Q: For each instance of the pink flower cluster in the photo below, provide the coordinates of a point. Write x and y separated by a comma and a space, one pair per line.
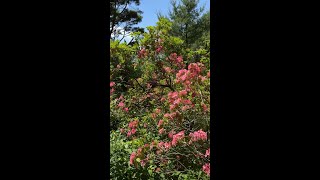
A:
122, 105
170, 135
133, 124
167, 70
198, 135
171, 116
132, 128
132, 157
177, 137
164, 146
131, 132
206, 168
177, 60
204, 106
175, 98
194, 69
207, 153
161, 131
142, 53
139, 153
185, 76
160, 123
159, 49
158, 111
111, 86
152, 145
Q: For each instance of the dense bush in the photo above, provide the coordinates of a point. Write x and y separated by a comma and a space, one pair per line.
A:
160, 108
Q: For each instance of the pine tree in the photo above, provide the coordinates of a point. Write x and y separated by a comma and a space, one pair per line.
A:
122, 18
186, 18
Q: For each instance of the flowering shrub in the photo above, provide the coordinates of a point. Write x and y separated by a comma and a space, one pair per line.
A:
161, 119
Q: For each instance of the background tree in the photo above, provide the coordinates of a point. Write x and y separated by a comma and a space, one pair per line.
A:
186, 18
203, 32
123, 18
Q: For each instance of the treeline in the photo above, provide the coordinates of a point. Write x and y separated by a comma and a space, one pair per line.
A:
189, 21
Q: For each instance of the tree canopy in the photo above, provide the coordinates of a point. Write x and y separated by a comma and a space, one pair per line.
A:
123, 18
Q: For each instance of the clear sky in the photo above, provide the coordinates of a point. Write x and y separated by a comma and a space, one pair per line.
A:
151, 7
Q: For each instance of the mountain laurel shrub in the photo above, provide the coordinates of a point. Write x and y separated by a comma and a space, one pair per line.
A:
160, 108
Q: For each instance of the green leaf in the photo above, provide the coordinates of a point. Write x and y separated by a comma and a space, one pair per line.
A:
150, 172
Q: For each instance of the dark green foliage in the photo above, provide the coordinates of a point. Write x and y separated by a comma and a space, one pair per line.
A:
122, 16
188, 22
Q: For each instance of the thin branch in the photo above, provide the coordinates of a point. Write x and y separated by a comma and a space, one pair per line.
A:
139, 84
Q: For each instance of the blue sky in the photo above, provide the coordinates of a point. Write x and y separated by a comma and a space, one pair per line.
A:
151, 7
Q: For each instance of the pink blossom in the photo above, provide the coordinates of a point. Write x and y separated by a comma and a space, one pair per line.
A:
205, 108
172, 107
158, 110
183, 93
159, 49
129, 134
143, 162
133, 124
126, 109
118, 66
207, 153
160, 122
133, 131
167, 145
170, 135
145, 125
187, 83
173, 95
185, 108
179, 59
153, 115
112, 84
121, 130
186, 101
160, 144
177, 137
177, 101
121, 104
139, 151
198, 135
158, 170
208, 74
132, 157
194, 68
206, 168
152, 145
167, 69
111, 91
173, 56
161, 131
142, 53
170, 116
202, 78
